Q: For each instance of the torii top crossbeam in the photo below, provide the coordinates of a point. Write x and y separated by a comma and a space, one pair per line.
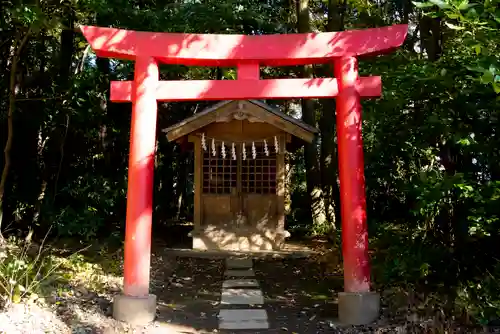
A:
233, 50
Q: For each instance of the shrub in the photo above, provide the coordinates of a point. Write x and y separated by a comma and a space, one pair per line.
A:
25, 269
85, 207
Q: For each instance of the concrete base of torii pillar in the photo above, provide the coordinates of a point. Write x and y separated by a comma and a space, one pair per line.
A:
134, 310
358, 308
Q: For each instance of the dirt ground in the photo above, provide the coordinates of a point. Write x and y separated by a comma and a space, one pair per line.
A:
298, 298
188, 292
295, 299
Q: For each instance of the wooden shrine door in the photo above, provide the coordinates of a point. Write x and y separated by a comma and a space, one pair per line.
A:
241, 193
220, 190
258, 179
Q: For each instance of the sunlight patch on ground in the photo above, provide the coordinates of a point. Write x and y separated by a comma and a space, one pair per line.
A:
165, 327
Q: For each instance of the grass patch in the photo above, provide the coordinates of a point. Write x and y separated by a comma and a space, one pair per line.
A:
30, 271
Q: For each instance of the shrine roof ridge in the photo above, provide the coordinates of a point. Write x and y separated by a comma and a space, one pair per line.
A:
217, 106
259, 103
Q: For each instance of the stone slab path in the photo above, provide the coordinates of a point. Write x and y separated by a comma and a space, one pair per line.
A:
239, 273
240, 283
240, 298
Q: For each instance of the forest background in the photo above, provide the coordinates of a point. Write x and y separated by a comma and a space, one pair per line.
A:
432, 145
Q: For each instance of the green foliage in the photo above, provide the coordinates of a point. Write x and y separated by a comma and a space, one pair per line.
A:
402, 260
29, 271
91, 273
25, 270
415, 263
477, 24
479, 297
91, 202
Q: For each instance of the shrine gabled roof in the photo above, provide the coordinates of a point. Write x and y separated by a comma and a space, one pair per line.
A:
263, 112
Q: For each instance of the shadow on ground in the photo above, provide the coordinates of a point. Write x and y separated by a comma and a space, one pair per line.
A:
191, 295
297, 297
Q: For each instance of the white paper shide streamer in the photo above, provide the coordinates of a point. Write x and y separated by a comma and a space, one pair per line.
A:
224, 148
214, 151
223, 151
203, 142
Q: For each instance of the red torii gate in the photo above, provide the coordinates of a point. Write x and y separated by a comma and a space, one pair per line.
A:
357, 305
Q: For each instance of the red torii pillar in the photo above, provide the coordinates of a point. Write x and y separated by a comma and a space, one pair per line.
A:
357, 304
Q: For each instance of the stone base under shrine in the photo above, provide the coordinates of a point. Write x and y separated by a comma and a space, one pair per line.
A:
241, 239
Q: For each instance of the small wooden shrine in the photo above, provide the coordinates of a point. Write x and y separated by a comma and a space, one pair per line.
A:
239, 173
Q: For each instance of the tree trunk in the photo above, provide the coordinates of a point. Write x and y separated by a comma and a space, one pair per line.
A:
181, 182
313, 175
329, 162
66, 61
431, 37
103, 66
18, 46
40, 140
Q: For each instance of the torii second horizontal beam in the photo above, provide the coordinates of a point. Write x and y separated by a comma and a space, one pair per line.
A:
192, 90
